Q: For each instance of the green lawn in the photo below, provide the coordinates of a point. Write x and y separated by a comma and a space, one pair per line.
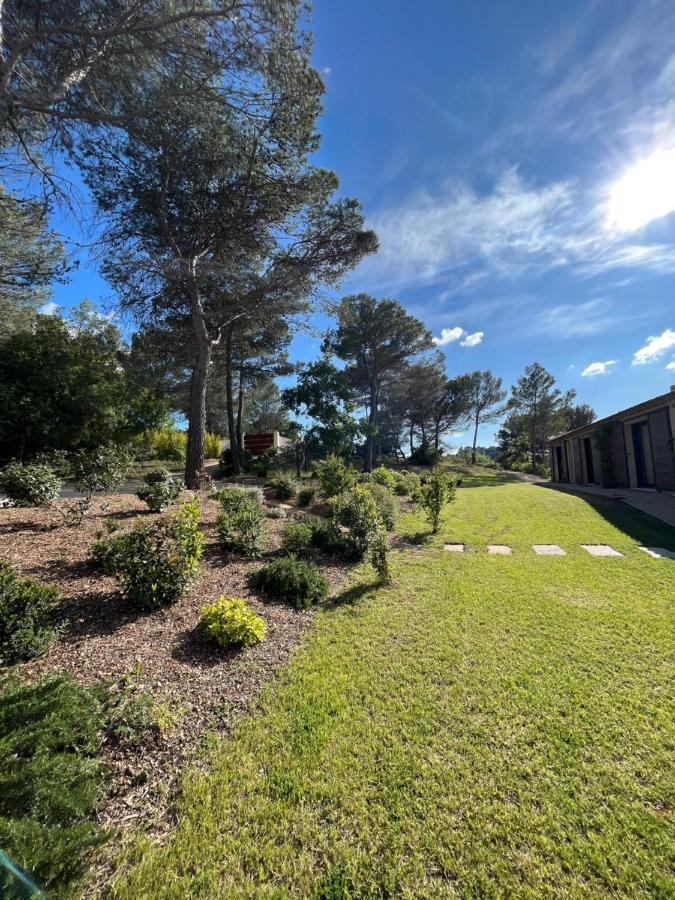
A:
487, 726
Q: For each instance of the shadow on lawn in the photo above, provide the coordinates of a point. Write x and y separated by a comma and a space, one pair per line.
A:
641, 527
352, 595
473, 478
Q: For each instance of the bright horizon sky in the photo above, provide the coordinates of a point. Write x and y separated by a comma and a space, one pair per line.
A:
518, 163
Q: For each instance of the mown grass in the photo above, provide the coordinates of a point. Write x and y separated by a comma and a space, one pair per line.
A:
487, 726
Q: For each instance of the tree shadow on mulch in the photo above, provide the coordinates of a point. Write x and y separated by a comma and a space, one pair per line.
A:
95, 615
193, 649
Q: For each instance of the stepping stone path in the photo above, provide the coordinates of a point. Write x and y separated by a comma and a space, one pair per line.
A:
601, 550
499, 550
548, 550
454, 548
659, 552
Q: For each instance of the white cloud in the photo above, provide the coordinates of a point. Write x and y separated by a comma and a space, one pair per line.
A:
671, 366
448, 335
654, 348
326, 70
472, 340
49, 308
599, 368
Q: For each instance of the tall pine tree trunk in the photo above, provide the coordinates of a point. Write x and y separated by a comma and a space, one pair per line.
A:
372, 422
194, 457
240, 411
229, 399
475, 441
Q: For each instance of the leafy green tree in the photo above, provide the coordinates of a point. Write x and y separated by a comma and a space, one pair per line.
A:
323, 395
59, 390
31, 259
376, 339
579, 415
484, 398
542, 408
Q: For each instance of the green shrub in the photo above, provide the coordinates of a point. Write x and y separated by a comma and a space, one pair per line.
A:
102, 469
262, 465
59, 461
284, 487
276, 512
406, 483
357, 512
168, 443
332, 541
425, 456
296, 538
231, 623
159, 490
26, 608
293, 580
384, 476
225, 461
50, 778
334, 476
212, 445
241, 523
385, 503
435, 491
30, 485
306, 496
128, 712
156, 562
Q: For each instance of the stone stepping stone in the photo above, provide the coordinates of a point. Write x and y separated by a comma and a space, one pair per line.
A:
499, 550
601, 550
658, 552
454, 548
548, 550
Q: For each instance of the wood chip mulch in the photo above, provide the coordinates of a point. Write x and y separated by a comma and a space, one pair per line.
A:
205, 688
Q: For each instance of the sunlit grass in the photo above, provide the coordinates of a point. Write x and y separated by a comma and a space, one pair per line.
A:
486, 726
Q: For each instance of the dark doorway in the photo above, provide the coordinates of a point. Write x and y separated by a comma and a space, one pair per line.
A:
642, 449
559, 460
588, 454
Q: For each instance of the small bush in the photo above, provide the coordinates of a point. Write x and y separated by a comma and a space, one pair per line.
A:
26, 608
385, 503
436, 490
406, 483
262, 465
334, 476
212, 445
425, 456
102, 469
384, 476
159, 490
231, 623
356, 511
284, 487
225, 461
59, 461
306, 496
332, 541
157, 562
296, 538
241, 523
30, 485
167, 443
293, 580
276, 512
128, 711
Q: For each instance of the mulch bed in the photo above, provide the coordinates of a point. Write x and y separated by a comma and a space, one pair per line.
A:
105, 638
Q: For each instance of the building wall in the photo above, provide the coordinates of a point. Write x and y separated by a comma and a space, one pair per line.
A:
661, 425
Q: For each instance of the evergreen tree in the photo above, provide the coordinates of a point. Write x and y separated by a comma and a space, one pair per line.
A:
542, 408
484, 398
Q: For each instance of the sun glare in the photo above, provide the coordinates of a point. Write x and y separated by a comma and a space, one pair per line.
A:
645, 192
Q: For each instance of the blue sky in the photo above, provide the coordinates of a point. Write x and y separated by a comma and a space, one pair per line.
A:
518, 163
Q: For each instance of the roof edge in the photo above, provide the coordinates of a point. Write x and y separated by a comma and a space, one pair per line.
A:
630, 410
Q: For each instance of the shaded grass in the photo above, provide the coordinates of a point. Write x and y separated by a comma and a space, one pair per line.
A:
486, 726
